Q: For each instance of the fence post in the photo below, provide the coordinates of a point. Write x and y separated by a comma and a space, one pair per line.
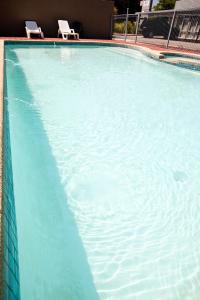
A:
137, 26
126, 25
170, 30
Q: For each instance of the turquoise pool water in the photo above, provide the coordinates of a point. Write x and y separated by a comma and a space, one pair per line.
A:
105, 151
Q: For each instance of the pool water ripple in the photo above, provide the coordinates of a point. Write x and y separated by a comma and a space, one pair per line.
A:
124, 133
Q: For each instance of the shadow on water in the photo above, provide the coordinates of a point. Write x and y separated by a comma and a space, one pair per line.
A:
11, 288
52, 260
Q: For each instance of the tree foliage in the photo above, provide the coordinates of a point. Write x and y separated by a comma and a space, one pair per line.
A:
165, 4
119, 27
122, 5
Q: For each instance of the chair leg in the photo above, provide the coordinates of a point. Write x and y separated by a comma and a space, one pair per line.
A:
64, 36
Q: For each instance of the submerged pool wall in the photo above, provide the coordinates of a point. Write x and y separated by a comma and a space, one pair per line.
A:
1, 134
9, 268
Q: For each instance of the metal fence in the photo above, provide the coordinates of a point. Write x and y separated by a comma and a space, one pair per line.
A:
166, 29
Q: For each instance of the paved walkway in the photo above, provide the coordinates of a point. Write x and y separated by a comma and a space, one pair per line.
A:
157, 47
181, 45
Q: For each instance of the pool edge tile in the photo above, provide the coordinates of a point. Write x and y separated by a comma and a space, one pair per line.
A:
1, 165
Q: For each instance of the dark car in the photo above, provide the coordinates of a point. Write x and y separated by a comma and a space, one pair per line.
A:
157, 26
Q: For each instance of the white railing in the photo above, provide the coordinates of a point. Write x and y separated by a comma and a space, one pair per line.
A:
168, 28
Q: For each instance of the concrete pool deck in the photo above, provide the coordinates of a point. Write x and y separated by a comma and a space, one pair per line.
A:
113, 41
156, 50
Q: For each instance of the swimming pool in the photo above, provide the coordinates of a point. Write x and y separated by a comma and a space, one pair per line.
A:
103, 149
183, 60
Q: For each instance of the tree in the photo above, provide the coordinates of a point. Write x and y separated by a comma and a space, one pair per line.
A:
122, 5
165, 4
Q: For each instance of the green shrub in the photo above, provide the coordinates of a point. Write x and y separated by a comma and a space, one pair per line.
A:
119, 27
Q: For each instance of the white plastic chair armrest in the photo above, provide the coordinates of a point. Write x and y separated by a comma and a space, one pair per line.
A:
72, 31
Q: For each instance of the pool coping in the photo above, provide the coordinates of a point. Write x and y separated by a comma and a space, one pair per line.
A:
158, 54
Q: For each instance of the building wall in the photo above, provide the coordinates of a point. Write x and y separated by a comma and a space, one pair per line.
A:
187, 4
146, 5
95, 16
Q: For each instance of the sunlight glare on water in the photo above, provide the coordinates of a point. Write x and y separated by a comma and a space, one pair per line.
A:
105, 147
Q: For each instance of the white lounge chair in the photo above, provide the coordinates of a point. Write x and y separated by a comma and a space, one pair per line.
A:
65, 30
32, 27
